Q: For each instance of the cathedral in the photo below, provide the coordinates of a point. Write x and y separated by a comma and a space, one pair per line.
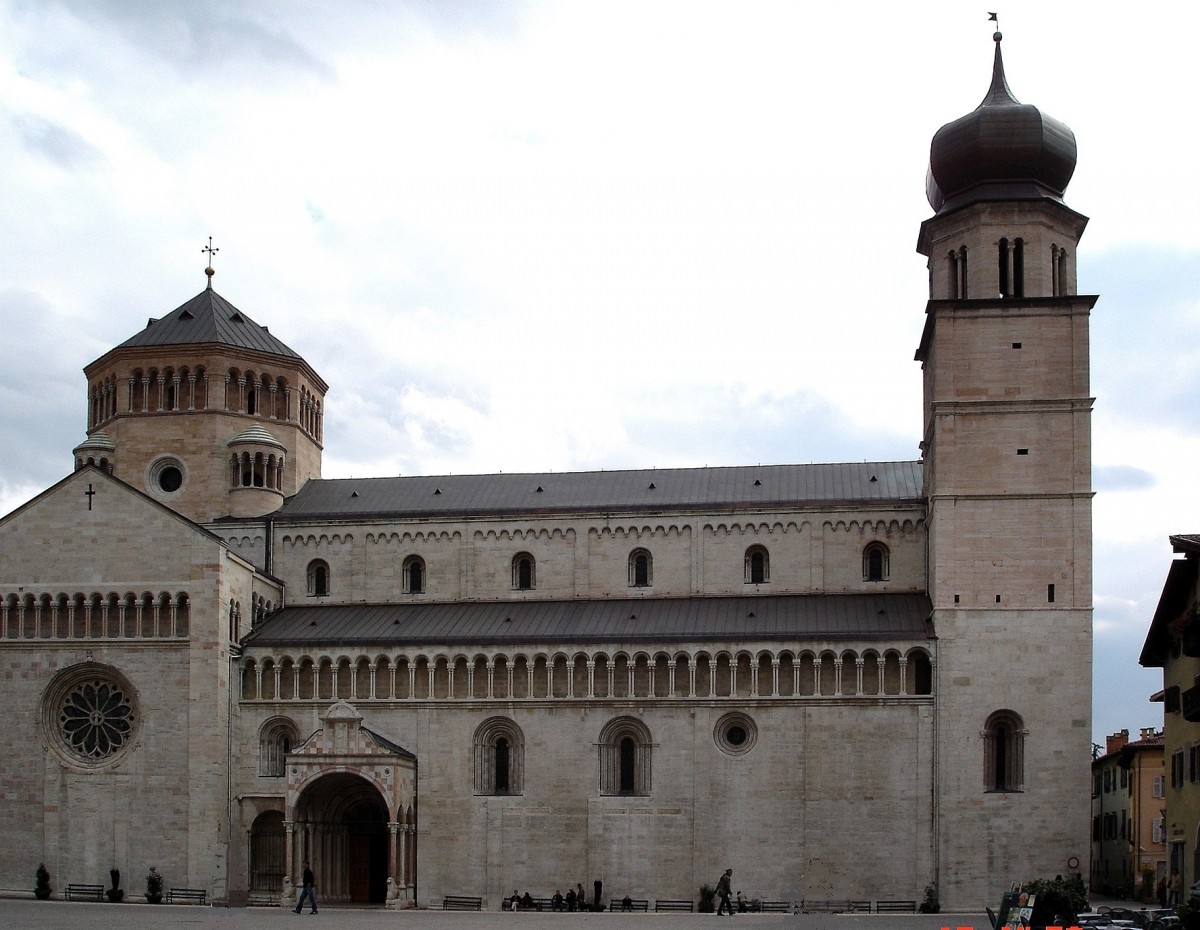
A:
845, 678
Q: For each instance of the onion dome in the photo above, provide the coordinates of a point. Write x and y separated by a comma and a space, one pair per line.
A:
1003, 150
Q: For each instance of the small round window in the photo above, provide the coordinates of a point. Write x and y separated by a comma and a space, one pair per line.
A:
735, 734
166, 476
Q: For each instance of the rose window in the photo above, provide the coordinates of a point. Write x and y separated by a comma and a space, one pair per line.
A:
96, 719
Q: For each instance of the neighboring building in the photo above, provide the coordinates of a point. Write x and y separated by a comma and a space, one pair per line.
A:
846, 676
1173, 644
1129, 850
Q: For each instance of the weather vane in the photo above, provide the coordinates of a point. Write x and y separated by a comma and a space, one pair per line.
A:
995, 18
211, 250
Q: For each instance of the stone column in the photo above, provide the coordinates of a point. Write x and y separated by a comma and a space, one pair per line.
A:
289, 863
393, 861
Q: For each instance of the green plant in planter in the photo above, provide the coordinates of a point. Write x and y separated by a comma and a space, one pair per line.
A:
154, 886
42, 889
116, 893
708, 894
1057, 899
931, 904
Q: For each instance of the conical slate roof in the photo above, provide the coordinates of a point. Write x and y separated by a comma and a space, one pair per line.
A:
208, 318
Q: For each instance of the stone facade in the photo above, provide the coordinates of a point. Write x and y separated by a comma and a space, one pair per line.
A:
841, 678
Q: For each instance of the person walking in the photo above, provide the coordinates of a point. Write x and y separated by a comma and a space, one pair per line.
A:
308, 891
724, 889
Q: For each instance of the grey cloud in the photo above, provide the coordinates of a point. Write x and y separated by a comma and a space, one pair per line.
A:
1146, 334
42, 393
201, 36
63, 146
794, 428
1122, 478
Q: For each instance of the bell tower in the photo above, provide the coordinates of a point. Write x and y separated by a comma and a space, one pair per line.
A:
1007, 465
205, 411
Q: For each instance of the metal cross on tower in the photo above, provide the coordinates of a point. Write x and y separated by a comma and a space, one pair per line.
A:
211, 250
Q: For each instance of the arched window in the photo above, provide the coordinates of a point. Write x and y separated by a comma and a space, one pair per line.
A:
625, 751
757, 566
277, 738
920, 673
268, 844
414, 575
1004, 752
875, 562
641, 569
523, 575
499, 757
318, 578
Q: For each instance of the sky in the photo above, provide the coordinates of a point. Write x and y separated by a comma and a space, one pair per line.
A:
533, 236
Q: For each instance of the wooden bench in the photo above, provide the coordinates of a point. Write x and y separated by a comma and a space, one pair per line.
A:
895, 907
187, 896
461, 902
824, 907
661, 905
775, 907
91, 892
859, 907
635, 904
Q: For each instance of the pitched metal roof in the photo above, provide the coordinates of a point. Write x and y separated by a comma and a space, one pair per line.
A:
798, 618
602, 491
208, 318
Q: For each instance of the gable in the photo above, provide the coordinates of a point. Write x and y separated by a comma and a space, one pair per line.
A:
92, 527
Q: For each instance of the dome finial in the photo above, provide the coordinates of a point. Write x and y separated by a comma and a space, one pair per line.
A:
210, 271
998, 94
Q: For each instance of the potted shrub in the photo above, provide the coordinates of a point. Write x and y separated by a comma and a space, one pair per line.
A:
930, 905
116, 893
708, 894
154, 885
42, 889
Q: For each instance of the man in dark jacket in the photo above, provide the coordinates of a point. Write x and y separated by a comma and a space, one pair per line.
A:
308, 891
724, 889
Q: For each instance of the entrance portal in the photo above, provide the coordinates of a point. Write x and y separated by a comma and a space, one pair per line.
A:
341, 823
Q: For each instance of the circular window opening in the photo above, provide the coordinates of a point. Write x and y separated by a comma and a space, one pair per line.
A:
166, 476
90, 715
735, 734
170, 479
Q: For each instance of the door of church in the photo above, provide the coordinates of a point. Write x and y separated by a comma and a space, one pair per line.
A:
360, 868
366, 857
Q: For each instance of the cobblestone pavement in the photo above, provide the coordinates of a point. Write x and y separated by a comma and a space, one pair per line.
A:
17, 914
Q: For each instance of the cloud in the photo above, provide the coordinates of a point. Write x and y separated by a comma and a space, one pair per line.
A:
1121, 478
61, 145
194, 37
